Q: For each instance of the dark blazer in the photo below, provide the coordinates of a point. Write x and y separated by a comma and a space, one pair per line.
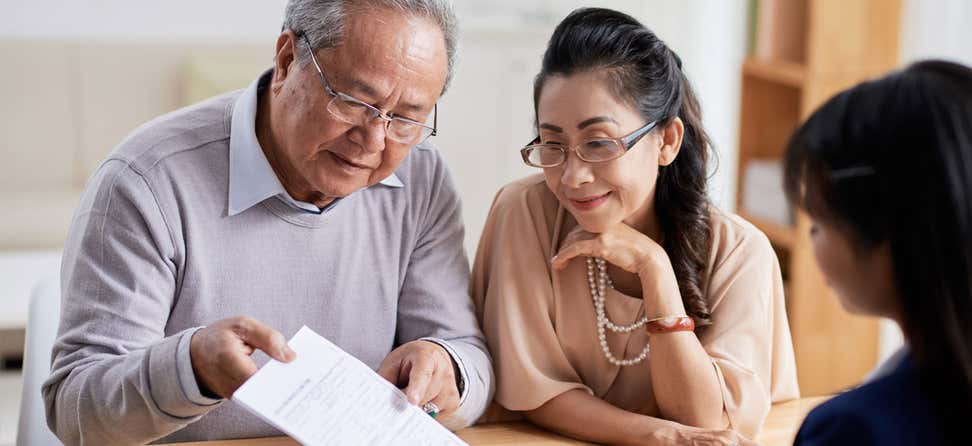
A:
892, 410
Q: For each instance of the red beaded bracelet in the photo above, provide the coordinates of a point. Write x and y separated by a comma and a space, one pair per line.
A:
669, 324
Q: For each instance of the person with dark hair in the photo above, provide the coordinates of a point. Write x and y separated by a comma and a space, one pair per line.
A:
885, 172
621, 306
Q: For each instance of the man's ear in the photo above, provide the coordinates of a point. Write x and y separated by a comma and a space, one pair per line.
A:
284, 58
671, 136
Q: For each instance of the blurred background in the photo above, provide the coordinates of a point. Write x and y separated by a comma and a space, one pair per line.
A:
78, 76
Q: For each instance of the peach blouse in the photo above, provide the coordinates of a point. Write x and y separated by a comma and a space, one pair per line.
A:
541, 328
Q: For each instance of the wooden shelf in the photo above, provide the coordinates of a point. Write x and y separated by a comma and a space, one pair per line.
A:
806, 51
782, 236
791, 74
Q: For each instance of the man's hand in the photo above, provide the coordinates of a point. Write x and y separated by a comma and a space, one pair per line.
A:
424, 370
221, 353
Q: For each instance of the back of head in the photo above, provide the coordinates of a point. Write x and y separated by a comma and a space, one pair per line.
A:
890, 161
642, 72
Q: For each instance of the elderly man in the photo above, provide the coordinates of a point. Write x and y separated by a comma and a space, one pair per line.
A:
310, 198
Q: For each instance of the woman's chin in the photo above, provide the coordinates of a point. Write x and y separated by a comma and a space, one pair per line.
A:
595, 225
850, 305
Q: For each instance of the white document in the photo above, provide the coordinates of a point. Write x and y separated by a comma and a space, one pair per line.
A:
328, 397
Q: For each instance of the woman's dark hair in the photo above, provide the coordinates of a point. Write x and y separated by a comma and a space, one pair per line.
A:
641, 71
890, 161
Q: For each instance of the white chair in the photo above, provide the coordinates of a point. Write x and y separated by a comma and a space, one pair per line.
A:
42, 321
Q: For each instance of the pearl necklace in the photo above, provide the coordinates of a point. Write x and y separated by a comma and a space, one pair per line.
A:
597, 294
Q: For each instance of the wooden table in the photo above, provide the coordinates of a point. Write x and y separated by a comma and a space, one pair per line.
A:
784, 420
780, 428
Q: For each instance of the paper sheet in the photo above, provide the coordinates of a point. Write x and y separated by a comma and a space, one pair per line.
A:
328, 397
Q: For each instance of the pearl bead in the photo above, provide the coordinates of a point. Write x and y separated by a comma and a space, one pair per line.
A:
597, 295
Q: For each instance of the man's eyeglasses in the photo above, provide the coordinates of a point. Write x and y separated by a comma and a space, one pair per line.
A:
595, 150
356, 112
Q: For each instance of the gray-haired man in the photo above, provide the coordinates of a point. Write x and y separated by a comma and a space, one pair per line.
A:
308, 198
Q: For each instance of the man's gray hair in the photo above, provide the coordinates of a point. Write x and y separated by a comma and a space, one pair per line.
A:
322, 21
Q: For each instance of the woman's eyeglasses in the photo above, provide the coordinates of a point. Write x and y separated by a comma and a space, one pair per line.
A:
595, 150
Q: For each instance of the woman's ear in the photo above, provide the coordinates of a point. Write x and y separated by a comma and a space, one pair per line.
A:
284, 58
671, 137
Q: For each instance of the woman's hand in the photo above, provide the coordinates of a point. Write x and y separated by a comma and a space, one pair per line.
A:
621, 245
603, 422
632, 251
671, 432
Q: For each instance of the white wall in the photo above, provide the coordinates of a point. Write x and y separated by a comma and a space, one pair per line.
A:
937, 29
710, 37
221, 20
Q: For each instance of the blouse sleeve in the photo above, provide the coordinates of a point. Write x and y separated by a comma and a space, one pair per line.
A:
514, 302
749, 339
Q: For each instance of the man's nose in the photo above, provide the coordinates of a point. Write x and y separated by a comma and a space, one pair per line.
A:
372, 134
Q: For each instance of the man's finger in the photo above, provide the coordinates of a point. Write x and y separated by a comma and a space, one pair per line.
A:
261, 336
419, 378
447, 402
389, 369
434, 388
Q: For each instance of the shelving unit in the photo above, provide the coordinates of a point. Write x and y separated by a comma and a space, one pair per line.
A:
805, 52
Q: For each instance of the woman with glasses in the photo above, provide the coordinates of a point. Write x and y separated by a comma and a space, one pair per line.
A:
619, 305
885, 172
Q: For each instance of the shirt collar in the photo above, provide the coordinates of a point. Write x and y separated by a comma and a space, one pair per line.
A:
251, 178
